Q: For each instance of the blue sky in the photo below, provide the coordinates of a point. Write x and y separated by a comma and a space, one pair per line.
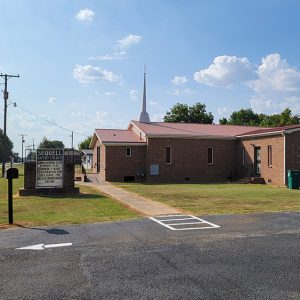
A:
81, 62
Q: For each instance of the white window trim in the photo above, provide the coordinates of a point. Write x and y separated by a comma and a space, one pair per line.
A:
130, 152
212, 156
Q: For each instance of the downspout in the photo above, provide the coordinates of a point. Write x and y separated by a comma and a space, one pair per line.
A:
284, 159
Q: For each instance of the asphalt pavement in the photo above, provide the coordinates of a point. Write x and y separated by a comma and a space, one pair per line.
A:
248, 257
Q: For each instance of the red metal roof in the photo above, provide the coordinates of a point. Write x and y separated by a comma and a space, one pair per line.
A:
161, 129
191, 129
117, 136
271, 130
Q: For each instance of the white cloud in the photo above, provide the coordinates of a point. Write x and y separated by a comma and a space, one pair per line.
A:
275, 75
110, 93
120, 55
263, 104
277, 86
133, 94
93, 120
179, 80
53, 100
120, 48
128, 41
187, 92
87, 74
85, 15
226, 71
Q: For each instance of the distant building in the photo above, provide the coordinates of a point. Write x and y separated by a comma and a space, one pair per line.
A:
181, 152
87, 158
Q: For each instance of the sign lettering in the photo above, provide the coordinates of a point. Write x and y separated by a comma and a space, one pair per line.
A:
49, 168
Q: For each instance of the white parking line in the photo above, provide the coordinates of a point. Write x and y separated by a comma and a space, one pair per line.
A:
164, 219
177, 219
188, 223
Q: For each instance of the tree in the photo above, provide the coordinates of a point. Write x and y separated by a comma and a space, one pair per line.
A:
189, 114
223, 121
16, 157
45, 143
244, 117
8, 147
179, 113
248, 117
283, 119
85, 144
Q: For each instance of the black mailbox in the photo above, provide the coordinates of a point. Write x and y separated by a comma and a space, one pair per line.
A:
12, 173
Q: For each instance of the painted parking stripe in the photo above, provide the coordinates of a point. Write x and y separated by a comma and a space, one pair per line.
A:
192, 222
182, 219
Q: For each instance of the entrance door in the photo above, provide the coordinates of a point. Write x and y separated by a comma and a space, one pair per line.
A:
257, 161
98, 159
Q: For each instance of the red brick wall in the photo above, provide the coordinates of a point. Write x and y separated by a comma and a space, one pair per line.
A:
118, 165
95, 157
189, 159
273, 175
292, 151
102, 159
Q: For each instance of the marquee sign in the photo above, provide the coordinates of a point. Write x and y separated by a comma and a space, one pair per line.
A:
49, 168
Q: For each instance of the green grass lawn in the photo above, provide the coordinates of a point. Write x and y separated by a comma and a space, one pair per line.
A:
220, 198
88, 207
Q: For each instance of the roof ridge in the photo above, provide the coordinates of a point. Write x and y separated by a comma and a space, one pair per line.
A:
186, 123
112, 129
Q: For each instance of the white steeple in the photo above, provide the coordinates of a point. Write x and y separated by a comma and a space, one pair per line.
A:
144, 117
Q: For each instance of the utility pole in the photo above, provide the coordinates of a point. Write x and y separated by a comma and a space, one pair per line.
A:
5, 97
72, 137
23, 141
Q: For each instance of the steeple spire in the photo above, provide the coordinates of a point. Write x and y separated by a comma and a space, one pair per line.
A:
144, 117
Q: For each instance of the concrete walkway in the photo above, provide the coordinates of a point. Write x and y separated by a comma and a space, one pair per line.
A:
145, 206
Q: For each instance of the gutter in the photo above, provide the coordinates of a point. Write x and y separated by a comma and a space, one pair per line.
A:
260, 134
283, 131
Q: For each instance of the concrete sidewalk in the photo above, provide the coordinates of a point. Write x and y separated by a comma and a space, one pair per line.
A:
145, 206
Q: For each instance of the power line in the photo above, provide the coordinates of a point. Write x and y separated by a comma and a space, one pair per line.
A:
48, 121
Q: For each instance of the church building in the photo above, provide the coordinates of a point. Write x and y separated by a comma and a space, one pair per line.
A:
184, 152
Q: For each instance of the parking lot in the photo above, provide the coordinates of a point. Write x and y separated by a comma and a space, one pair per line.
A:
247, 257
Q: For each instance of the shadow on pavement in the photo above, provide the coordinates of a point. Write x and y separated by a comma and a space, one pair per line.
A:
56, 231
